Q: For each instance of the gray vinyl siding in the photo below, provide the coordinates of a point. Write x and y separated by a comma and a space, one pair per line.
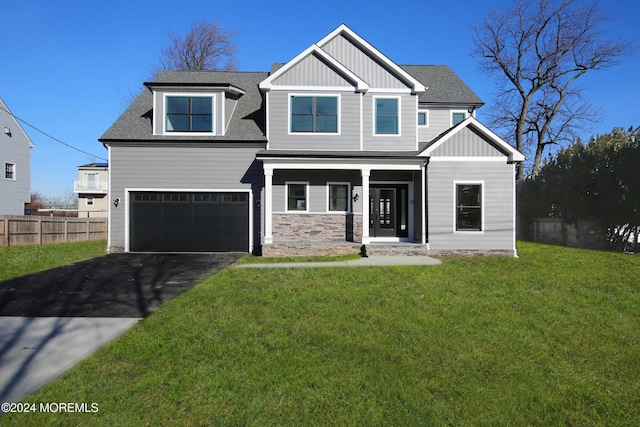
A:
407, 139
229, 108
349, 124
317, 196
311, 71
498, 208
439, 121
14, 149
362, 64
182, 166
467, 143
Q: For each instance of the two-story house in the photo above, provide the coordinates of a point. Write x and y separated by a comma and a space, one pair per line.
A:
337, 149
92, 188
15, 164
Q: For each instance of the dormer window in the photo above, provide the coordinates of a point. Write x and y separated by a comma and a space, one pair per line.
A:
189, 114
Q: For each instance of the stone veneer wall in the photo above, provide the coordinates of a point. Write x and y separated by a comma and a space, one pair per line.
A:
316, 228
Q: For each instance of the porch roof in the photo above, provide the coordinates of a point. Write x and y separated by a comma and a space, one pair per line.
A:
321, 154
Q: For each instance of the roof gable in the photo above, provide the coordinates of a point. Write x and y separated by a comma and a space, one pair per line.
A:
358, 62
10, 127
471, 139
326, 59
333, 43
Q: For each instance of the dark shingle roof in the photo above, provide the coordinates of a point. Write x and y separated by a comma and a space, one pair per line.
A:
247, 122
444, 86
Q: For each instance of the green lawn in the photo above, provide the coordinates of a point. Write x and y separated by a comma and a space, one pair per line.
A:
551, 338
17, 261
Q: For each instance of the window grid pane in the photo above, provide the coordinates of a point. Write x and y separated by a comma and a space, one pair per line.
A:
297, 197
10, 171
469, 207
314, 114
338, 194
189, 114
387, 116
457, 118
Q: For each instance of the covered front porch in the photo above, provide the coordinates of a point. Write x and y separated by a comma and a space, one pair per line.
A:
332, 205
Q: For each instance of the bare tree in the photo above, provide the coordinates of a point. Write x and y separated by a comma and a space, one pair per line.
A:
207, 46
535, 51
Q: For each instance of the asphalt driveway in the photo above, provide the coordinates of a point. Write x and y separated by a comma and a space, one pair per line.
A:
116, 285
51, 320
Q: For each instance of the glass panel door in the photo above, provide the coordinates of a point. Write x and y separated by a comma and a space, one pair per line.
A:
388, 210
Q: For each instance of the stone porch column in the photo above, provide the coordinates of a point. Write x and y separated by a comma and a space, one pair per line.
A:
366, 173
268, 205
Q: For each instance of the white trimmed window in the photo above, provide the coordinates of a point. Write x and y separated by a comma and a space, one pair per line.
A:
469, 207
387, 116
423, 118
314, 114
184, 113
457, 117
297, 196
338, 197
10, 171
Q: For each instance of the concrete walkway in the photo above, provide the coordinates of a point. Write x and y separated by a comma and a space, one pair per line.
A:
373, 261
35, 350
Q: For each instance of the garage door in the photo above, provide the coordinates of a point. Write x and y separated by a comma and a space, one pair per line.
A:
189, 222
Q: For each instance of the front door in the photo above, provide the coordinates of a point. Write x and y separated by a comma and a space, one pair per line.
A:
388, 210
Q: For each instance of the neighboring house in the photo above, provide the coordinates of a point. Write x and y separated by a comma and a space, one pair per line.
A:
92, 188
15, 164
336, 149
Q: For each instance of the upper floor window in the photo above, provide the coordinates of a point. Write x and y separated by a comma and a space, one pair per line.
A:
189, 114
387, 116
457, 117
423, 118
316, 114
10, 171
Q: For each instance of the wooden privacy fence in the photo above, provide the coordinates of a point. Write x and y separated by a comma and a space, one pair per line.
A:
18, 230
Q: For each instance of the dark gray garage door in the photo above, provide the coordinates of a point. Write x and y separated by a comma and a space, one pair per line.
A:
189, 222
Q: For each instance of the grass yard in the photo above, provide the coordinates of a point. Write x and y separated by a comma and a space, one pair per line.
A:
16, 261
551, 338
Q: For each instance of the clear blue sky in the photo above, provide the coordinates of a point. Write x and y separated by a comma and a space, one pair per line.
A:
65, 65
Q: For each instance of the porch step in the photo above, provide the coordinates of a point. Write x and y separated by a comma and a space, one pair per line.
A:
396, 249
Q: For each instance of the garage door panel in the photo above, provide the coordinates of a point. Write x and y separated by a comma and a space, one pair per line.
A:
189, 222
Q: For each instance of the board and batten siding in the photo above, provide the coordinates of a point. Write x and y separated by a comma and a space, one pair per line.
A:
177, 166
498, 207
467, 143
349, 123
362, 64
312, 71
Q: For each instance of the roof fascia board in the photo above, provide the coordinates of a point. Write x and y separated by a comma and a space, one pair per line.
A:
513, 154
314, 49
416, 86
220, 86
